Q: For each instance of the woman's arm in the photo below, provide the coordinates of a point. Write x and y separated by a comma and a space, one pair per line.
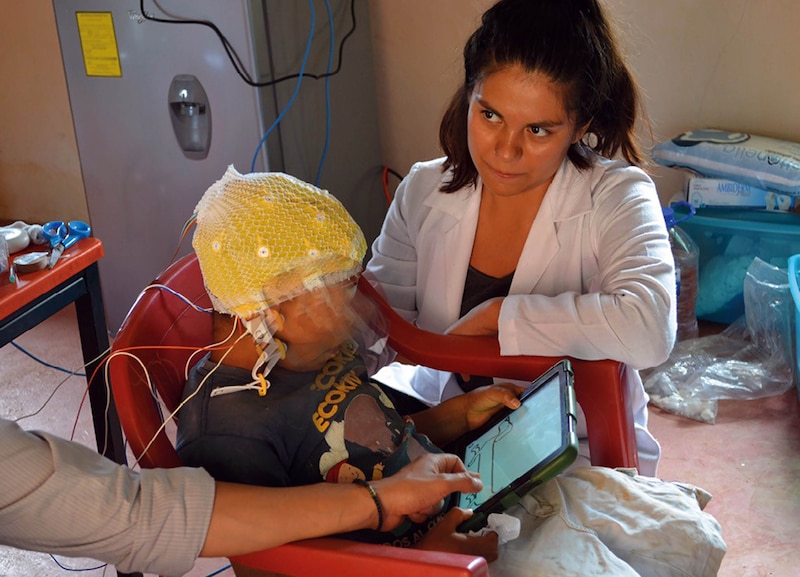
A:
615, 279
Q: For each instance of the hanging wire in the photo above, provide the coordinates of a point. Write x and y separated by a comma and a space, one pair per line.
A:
327, 96
236, 61
45, 363
386, 192
286, 108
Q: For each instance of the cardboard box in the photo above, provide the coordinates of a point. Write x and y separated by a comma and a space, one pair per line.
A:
716, 192
704, 192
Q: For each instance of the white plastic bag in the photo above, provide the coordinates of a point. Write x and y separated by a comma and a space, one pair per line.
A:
750, 359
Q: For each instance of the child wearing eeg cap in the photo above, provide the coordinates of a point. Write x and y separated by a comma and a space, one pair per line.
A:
261, 240
288, 400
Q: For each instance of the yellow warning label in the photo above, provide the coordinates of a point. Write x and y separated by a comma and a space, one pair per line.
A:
99, 44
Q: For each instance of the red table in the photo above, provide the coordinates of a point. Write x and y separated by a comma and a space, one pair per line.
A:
38, 295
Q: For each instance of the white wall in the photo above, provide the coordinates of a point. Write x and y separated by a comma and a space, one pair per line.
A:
40, 176
721, 63
732, 64
417, 48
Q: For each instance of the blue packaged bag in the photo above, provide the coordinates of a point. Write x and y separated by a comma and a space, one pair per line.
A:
759, 161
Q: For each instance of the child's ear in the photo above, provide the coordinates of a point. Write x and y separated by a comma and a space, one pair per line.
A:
222, 323
275, 319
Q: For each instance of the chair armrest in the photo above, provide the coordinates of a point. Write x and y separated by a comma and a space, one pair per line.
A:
599, 385
343, 558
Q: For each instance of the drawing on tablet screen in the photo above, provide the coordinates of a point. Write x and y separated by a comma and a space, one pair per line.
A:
481, 458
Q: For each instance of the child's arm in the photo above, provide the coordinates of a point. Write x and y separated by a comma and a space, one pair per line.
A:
458, 415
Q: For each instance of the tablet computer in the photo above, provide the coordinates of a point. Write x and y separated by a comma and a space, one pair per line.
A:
519, 449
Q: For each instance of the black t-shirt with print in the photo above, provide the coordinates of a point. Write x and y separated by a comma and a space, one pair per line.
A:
329, 425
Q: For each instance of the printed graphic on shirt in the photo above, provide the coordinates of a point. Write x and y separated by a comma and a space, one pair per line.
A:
369, 440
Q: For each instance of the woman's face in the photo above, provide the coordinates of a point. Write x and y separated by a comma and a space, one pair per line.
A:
518, 131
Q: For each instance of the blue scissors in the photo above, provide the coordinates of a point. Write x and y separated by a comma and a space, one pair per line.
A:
63, 235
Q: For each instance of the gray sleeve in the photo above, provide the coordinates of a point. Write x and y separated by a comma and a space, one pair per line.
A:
63, 498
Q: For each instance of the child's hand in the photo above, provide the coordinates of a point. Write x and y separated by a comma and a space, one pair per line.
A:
484, 402
444, 537
457, 415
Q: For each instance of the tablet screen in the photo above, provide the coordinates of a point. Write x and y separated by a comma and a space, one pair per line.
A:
512, 447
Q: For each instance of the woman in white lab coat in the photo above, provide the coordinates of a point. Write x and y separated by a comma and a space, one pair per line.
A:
526, 229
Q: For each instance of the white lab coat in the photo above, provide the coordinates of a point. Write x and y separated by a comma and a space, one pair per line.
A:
595, 279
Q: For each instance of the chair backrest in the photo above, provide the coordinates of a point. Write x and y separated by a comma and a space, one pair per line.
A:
157, 321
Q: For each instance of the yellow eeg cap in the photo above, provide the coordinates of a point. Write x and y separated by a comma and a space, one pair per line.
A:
263, 238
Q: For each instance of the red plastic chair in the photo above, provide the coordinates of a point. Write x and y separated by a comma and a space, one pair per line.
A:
159, 319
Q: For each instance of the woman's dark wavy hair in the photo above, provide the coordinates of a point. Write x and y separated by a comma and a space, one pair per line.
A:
570, 42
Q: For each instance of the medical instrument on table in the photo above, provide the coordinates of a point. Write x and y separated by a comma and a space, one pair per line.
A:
4, 263
29, 262
16, 239
17, 236
63, 235
20, 234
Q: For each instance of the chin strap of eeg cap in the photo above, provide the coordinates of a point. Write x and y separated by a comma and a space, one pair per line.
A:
262, 327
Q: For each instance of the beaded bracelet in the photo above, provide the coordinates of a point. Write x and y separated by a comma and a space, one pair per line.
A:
375, 499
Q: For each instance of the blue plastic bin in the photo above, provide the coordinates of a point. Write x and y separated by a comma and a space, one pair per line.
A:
794, 269
729, 240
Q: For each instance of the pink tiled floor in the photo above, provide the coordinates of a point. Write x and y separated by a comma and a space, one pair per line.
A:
749, 460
